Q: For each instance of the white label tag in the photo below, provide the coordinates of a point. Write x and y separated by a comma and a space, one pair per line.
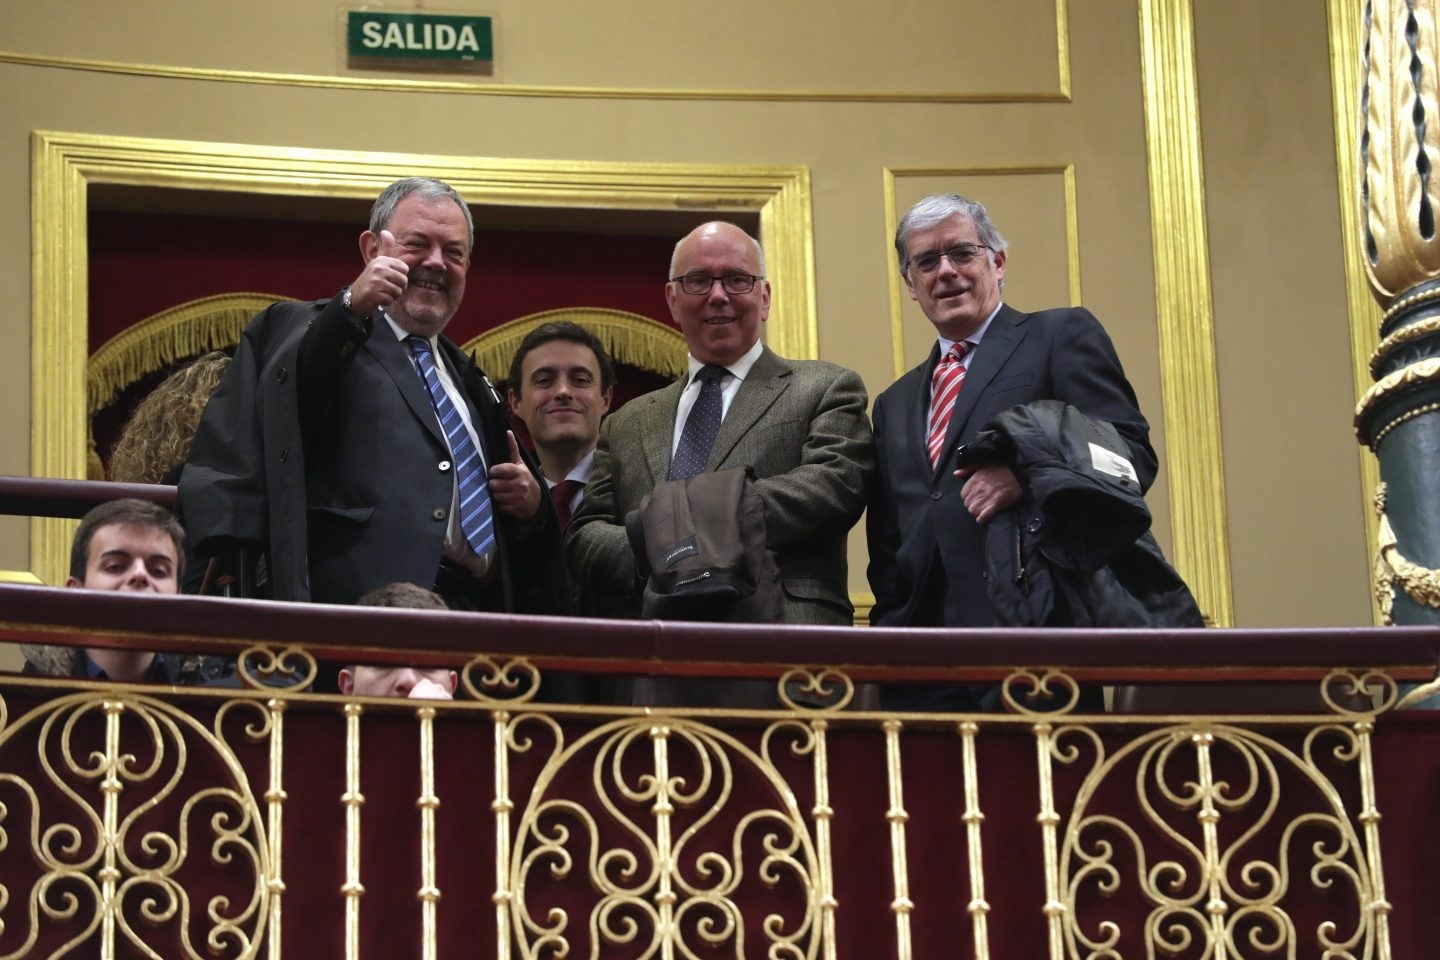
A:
1108, 461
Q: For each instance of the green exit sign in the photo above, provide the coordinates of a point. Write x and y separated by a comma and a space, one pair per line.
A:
427, 41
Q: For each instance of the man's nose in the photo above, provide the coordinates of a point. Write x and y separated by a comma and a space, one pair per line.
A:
434, 257
718, 293
947, 267
404, 682
138, 576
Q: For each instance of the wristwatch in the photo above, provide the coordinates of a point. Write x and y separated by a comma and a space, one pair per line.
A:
345, 305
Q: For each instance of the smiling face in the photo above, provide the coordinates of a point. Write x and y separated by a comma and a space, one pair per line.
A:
132, 557
559, 397
956, 299
719, 327
431, 236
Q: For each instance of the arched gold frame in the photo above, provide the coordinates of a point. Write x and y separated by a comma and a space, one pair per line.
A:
628, 337
65, 165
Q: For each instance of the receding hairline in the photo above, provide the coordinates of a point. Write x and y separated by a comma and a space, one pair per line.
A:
714, 226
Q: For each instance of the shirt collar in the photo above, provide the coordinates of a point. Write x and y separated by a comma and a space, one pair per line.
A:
974, 338
402, 334
580, 472
739, 369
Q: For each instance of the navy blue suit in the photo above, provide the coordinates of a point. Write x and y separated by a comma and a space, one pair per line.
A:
927, 554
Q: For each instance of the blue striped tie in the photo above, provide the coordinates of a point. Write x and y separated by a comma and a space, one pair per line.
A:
477, 519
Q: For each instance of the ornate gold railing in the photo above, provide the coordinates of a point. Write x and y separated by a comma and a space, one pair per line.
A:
166, 822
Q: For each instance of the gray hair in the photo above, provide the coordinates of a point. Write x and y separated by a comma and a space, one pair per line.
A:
428, 190
939, 207
675, 254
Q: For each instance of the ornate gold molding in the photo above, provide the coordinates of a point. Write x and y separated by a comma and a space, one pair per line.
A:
1364, 312
64, 166
1189, 380
1420, 583
1411, 375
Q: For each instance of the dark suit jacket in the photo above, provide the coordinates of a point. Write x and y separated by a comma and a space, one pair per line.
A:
322, 446
800, 424
927, 554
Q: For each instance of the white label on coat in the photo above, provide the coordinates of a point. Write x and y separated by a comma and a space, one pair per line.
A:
1108, 461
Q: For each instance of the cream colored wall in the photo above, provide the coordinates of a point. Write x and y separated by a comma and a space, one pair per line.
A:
885, 101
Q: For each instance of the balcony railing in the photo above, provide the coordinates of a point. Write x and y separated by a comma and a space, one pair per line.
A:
1253, 793
175, 822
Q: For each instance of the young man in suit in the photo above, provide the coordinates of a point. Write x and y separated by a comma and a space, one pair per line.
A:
355, 446
799, 424
927, 549
561, 384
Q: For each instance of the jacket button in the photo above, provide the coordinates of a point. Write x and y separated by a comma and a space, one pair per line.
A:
439, 514
281, 375
1035, 525
284, 454
935, 494
444, 465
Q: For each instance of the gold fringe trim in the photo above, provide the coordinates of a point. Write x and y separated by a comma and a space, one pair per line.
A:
190, 329
628, 337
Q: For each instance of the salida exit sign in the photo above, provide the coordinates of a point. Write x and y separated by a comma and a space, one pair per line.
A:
423, 41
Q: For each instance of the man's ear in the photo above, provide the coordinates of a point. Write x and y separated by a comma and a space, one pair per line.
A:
454, 680
72, 582
605, 399
346, 681
369, 246
514, 401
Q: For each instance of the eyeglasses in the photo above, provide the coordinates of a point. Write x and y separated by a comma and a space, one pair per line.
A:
698, 284
960, 255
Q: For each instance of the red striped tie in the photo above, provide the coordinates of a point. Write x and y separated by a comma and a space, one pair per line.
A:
945, 387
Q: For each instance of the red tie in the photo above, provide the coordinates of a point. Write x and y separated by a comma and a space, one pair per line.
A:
945, 387
561, 494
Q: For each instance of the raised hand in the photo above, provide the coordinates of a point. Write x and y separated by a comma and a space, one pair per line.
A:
383, 280
513, 487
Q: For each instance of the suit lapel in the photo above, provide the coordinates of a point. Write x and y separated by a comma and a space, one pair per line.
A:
762, 386
657, 427
391, 354
1001, 339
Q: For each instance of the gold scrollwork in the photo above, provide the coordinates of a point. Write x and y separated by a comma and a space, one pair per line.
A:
677, 842
118, 818
826, 688
503, 682
273, 669
1354, 694
1230, 880
1055, 691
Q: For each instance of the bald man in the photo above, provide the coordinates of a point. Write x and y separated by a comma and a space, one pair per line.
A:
799, 424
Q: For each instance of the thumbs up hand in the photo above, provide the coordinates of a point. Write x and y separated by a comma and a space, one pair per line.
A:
384, 278
513, 488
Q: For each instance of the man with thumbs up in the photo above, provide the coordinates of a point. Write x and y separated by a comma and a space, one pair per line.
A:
352, 445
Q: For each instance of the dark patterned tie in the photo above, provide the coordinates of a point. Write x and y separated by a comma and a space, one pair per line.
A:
561, 494
476, 514
701, 426
945, 387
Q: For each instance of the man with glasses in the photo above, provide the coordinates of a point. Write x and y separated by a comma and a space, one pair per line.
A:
800, 425
927, 545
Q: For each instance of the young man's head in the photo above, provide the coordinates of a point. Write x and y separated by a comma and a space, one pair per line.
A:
128, 545
417, 683
561, 384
